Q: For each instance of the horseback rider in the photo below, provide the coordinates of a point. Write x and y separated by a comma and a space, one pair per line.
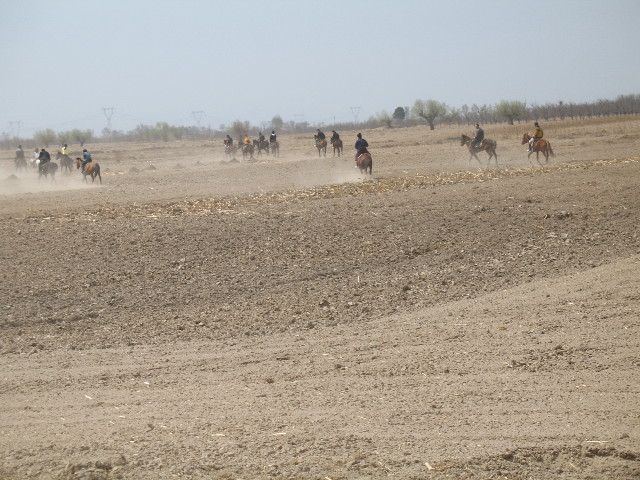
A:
86, 158
537, 135
19, 154
361, 146
260, 137
64, 150
247, 140
272, 137
44, 158
320, 136
228, 141
335, 136
478, 137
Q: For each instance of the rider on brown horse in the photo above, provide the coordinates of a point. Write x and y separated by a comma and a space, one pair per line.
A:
478, 137
320, 136
361, 146
537, 135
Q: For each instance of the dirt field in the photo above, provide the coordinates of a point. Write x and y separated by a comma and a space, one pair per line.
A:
292, 318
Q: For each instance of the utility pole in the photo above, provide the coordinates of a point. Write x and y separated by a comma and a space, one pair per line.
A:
197, 116
356, 112
108, 113
17, 124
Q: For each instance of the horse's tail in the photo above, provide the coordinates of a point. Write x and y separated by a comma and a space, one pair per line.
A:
551, 150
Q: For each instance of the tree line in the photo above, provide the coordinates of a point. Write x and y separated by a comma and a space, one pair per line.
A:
429, 112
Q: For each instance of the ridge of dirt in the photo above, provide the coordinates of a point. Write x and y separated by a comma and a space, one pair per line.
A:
378, 186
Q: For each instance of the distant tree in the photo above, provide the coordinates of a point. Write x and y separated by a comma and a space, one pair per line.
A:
384, 118
454, 115
63, 137
45, 137
511, 110
399, 114
277, 122
239, 129
81, 136
429, 110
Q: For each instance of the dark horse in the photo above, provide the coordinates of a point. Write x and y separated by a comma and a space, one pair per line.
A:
247, 151
487, 145
261, 145
275, 149
46, 169
540, 146
20, 163
230, 150
321, 145
337, 147
364, 162
65, 162
91, 168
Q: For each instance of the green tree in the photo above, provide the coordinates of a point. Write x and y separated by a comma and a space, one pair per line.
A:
399, 114
81, 136
45, 137
511, 110
238, 128
384, 118
277, 122
429, 110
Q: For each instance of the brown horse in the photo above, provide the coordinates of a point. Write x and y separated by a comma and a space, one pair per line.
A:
487, 145
321, 145
364, 162
337, 147
261, 145
275, 149
91, 168
540, 146
65, 162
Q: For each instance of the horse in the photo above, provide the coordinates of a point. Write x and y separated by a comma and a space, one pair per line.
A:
46, 169
487, 145
65, 162
321, 145
20, 163
540, 146
275, 149
230, 151
247, 150
364, 162
261, 145
337, 147
91, 168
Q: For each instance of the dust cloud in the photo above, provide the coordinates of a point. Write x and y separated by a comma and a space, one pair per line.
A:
28, 181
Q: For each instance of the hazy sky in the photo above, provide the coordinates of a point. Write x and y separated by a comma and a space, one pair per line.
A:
63, 61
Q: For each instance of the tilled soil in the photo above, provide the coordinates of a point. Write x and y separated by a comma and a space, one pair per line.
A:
291, 318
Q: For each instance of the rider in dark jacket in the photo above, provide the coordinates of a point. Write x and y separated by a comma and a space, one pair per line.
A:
479, 136
361, 146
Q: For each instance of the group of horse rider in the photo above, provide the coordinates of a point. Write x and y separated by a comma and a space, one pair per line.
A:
360, 145
42, 157
479, 136
228, 141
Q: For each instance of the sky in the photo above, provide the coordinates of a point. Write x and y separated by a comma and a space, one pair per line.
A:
84, 63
